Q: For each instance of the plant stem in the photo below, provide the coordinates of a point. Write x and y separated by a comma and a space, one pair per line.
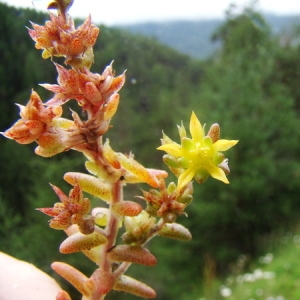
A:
111, 232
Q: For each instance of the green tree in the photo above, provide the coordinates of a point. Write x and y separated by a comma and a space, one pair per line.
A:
255, 105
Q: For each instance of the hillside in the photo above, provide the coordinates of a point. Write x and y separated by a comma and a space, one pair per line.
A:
194, 37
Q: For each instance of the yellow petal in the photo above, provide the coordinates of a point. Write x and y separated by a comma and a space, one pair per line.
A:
196, 128
218, 174
185, 177
171, 149
223, 145
181, 130
166, 140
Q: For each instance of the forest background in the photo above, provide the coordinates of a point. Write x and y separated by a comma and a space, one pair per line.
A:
250, 86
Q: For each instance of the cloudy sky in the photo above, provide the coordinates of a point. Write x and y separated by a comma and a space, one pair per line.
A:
131, 11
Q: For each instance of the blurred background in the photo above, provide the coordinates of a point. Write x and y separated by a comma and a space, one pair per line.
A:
241, 70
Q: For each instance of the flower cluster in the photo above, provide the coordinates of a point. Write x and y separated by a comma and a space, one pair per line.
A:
95, 93
168, 202
59, 37
35, 119
91, 90
71, 210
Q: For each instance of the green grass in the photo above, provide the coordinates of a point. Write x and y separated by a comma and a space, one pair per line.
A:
274, 276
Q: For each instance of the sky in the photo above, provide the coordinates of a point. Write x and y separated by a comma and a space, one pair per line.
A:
120, 12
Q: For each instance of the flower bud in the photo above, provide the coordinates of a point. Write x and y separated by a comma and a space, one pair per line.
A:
170, 161
185, 199
214, 132
62, 5
218, 158
224, 166
170, 217
201, 175
129, 238
152, 209
87, 225
171, 188
139, 226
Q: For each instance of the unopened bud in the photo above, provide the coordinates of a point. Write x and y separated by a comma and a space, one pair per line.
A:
201, 175
129, 238
151, 209
185, 199
170, 217
214, 132
171, 188
87, 226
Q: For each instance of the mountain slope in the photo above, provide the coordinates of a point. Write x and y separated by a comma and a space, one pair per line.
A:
194, 37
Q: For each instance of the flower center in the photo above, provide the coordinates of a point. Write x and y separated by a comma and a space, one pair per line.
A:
201, 156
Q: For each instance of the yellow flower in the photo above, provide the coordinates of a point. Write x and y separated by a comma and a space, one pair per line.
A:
199, 156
